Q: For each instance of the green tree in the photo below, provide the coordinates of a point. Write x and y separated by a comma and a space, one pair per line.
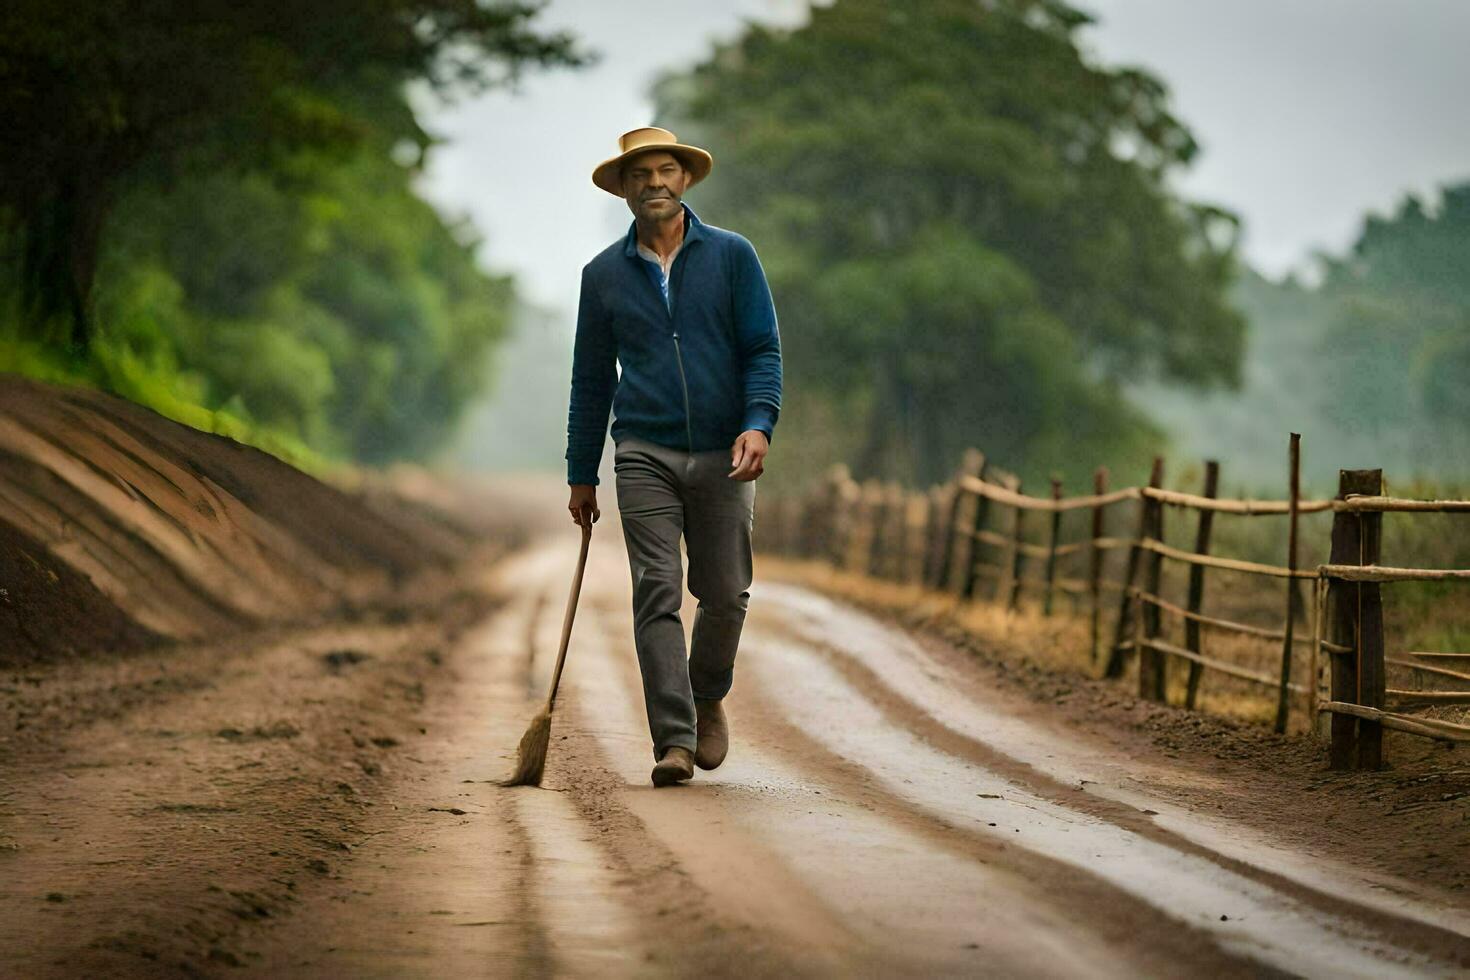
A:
1396, 352
967, 228
1370, 363
94, 93
335, 308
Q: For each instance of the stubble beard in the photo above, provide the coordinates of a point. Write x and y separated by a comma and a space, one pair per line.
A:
659, 209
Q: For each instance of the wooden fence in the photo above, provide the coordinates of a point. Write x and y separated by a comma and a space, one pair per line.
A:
969, 537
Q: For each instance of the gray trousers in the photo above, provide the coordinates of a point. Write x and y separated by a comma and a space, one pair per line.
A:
664, 493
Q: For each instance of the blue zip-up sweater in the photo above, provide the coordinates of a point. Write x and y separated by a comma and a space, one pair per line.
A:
696, 372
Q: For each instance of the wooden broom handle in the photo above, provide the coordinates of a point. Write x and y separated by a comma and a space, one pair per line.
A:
566, 625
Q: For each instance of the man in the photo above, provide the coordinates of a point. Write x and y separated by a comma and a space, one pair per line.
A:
684, 309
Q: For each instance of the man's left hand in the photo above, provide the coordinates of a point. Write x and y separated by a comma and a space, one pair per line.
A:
748, 455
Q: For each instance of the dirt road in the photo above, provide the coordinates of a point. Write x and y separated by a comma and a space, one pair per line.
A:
851, 831
883, 812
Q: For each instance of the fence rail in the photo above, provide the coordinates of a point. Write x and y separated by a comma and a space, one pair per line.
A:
1228, 564
969, 536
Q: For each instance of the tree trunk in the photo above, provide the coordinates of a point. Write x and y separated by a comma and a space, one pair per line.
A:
63, 238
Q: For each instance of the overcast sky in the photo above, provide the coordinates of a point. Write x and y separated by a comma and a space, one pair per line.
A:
1309, 112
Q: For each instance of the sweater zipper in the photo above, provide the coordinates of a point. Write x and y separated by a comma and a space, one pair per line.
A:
679, 355
684, 383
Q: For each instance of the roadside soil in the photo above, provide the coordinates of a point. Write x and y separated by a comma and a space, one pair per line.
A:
156, 807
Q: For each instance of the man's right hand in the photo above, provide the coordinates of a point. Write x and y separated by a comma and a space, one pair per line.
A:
583, 504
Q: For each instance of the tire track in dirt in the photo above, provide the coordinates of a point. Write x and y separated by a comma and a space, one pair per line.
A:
533, 628
585, 927
532, 949
832, 886
464, 877
467, 877
1267, 923
953, 721
1130, 926
951, 685
674, 889
447, 882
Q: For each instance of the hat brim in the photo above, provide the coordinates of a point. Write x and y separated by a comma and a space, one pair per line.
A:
609, 173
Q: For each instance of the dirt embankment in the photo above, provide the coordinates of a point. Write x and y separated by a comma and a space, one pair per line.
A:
213, 667
120, 529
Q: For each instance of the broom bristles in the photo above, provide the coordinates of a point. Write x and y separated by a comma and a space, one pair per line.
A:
531, 755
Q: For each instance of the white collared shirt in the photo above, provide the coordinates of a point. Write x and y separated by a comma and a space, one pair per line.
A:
665, 266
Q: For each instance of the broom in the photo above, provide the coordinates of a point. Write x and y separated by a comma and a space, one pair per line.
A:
531, 755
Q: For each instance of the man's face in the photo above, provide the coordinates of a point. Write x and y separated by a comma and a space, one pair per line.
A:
653, 185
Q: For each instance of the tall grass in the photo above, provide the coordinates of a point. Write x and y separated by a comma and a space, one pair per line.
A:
174, 394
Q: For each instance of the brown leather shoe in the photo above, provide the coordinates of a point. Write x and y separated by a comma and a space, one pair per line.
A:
676, 766
713, 732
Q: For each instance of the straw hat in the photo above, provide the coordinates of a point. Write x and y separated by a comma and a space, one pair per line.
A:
608, 174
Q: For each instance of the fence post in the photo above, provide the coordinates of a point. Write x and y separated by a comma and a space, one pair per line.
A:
1151, 663
1313, 692
832, 514
1051, 548
883, 543
1196, 600
916, 558
904, 568
857, 534
805, 533
934, 534
857, 526
932, 523
821, 517
1018, 557
845, 511
851, 498
879, 545
1116, 659
779, 525
976, 555
1371, 674
958, 543
896, 541
1095, 558
874, 504
1355, 620
1283, 694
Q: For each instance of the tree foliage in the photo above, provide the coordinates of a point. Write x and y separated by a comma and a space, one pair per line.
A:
338, 309
1371, 363
968, 229
1397, 343
95, 93
267, 269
